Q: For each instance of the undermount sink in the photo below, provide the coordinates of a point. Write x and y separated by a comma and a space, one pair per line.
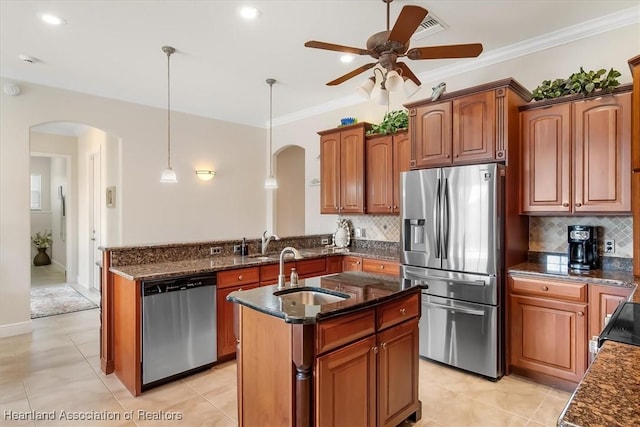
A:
306, 296
260, 257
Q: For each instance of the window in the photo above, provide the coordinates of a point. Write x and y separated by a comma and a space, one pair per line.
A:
36, 192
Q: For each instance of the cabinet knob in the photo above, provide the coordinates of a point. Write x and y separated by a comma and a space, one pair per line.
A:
357, 262
565, 205
240, 277
395, 207
545, 288
389, 207
578, 204
581, 313
382, 267
384, 345
457, 155
375, 349
403, 311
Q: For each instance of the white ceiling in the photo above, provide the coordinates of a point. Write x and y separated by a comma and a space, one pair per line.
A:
113, 48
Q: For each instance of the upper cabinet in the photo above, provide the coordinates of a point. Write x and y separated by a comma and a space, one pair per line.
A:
634, 64
465, 127
387, 156
576, 156
342, 169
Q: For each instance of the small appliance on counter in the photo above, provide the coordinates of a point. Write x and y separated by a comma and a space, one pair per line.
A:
583, 247
624, 325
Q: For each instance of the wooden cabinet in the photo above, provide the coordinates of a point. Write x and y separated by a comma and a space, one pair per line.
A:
311, 267
334, 264
387, 156
465, 127
269, 272
548, 329
634, 64
227, 282
575, 156
342, 168
603, 301
351, 263
460, 131
390, 268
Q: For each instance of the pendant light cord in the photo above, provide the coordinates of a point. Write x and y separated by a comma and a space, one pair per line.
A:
168, 109
270, 82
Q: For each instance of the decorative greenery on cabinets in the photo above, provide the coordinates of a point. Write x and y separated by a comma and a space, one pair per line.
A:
582, 82
392, 122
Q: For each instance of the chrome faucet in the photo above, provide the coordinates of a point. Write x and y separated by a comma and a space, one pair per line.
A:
266, 240
281, 278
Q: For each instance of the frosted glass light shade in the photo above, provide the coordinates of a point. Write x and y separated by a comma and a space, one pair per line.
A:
366, 87
383, 98
410, 88
168, 175
270, 182
393, 82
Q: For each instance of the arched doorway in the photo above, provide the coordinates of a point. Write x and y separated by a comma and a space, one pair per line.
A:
289, 203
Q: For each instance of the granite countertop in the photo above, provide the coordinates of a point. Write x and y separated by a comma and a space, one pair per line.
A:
609, 393
264, 300
212, 264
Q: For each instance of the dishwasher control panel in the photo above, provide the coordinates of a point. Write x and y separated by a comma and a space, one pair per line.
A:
162, 286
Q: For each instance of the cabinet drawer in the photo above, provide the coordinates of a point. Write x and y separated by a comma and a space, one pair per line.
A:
398, 311
311, 267
336, 332
239, 276
548, 288
269, 273
352, 263
391, 268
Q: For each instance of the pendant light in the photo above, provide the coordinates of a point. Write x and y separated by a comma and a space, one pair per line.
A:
270, 182
168, 175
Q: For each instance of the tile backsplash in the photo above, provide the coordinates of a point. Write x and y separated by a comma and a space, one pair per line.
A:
377, 227
549, 234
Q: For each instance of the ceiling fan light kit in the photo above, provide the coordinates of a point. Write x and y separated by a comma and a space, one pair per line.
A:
390, 45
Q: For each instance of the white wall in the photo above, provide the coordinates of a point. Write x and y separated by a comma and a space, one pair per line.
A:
58, 222
290, 203
234, 203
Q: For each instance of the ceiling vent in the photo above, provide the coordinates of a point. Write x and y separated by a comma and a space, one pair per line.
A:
430, 25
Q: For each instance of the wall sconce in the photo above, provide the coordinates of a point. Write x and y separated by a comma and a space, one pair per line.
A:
391, 81
205, 174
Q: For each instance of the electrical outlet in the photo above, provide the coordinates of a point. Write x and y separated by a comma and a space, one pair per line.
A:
609, 246
324, 241
360, 233
216, 250
237, 249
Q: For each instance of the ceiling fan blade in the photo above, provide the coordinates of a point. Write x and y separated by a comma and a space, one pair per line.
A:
406, 72
407, 23
336, 47
351, 74
449, 51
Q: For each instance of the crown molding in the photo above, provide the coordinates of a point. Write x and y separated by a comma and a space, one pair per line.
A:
566, 35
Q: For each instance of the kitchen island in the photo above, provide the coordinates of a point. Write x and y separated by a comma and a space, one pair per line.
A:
353, 361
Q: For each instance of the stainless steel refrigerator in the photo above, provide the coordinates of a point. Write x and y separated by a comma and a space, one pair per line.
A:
452, 228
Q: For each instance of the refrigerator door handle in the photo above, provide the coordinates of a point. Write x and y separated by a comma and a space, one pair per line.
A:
436, 215
456, 309
445, 220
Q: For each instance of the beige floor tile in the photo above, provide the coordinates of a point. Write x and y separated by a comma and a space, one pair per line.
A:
12, 390
156, 398
195, 411
225, 398
90, 349
561, 394
462, 412
45, 380
549, 410
83, 337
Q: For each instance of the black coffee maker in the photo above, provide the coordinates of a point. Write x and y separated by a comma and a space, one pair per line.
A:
583, 247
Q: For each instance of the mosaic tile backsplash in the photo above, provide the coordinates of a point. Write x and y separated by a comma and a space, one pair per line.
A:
549, 234
376, 227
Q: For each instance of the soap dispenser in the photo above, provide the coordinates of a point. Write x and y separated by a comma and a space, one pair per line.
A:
244, 248
294, 278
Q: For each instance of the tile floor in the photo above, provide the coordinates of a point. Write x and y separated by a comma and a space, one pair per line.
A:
57, 368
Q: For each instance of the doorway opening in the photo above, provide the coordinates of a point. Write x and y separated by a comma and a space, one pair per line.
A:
289, 199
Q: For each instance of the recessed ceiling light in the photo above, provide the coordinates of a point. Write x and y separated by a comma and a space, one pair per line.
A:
249, 12
53, 19
346, 58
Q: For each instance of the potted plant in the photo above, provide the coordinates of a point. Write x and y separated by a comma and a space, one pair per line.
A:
392, 122
42, 242
582, 82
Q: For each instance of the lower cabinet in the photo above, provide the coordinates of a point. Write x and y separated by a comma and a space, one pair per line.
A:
603, 301
352, 263
225, 330
390, 268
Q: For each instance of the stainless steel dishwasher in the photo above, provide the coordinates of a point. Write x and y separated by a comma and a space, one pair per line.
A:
178, 327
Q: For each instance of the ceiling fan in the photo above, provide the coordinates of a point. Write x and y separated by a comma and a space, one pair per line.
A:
390, 45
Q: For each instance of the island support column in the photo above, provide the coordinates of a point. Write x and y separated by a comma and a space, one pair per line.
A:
303, 356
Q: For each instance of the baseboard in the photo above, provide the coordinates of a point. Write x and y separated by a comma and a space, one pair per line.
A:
13, 329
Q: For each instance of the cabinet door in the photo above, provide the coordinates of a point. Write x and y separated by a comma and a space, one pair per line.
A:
432, 143
602, 139
603, 301
352, 171
269, 273
334, 264
401, 162
311, 267
397, 373
329, 173
546, 156
549, 337
225, 320
390, 268
351, 263
345, 385
380, 175
474, 128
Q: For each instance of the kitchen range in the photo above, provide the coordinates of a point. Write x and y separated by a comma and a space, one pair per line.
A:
452, 222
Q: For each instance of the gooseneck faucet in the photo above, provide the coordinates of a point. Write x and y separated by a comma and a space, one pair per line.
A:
281, 278
266, 240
